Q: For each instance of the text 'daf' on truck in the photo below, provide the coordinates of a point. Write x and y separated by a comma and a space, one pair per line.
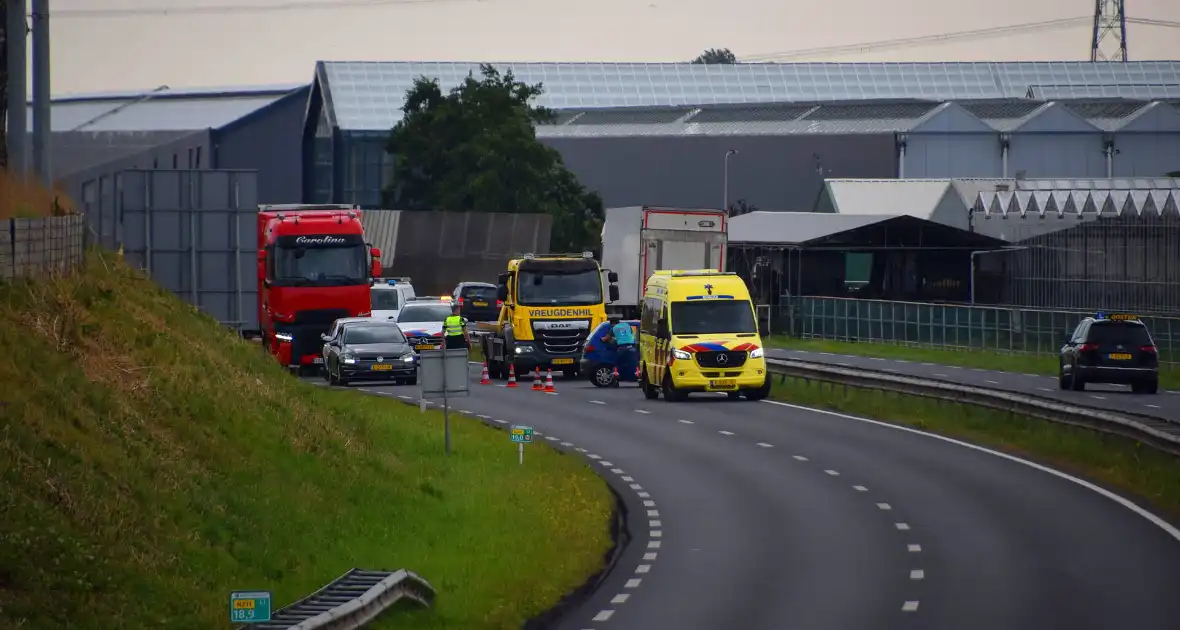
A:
314, 267
637, 241
550, 304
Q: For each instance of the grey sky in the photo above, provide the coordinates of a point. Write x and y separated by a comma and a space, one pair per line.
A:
141, 51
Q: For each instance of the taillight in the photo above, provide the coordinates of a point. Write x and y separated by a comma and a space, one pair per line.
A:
1086, 347
1150, 349
460, 301
499, 303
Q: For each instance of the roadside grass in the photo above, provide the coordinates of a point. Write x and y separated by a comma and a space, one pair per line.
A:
29, 199
1114, 461
981, 359
152, 462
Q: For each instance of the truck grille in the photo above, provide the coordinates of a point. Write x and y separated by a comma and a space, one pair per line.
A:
309, 325
733, 359
561, 341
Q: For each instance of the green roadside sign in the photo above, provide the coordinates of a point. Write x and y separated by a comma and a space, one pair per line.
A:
522, 434
249, 606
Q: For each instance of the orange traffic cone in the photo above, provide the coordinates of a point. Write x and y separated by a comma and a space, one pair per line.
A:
484, 379
549, 381
637, 372
511, 375
537, 385
614, 372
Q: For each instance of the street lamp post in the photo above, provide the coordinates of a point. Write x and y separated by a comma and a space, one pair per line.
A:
725, 183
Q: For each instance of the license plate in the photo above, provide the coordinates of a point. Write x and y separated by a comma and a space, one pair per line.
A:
382, 367
562, 361
480, 303
1119, 356
424, 346
318, 360
725, 383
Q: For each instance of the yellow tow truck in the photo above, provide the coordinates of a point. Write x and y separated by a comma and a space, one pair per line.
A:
551, 303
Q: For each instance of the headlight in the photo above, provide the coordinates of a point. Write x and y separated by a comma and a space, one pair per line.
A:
284, 337
348, 358
756, 353
408, 358
523, 349
682, 355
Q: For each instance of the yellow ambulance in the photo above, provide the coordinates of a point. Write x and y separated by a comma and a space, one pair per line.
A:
699, 333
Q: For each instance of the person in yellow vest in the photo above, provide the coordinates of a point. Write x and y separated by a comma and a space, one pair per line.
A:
455, 329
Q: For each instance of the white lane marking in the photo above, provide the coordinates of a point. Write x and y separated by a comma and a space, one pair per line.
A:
890, 370
537, 433
620, 598
642, 411
642, 495
800, 458
993, 382
901, 526
877, 358
605, 463
580, 450
1152, 406
636, 486
656, 533
649, 503
1033, 375
567, 444
551, 438
917, 574
404, 397
651, 555
685, 421
885, 506
603, 615
765, 445
597, 402
499, 421
591, 455
653, 513
643, 568
860, 488
617, 471
928, 364
726, 432
914, 548
910, 606
1044, 389
653, 544
1098, 397
484, 417
833, 473
1152, 518
654, 524
628, 479
955, 367
633, 583
464, 411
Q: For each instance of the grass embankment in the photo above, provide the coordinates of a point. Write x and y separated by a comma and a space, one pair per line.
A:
1114, 461
151, 462
20, 199
981, 359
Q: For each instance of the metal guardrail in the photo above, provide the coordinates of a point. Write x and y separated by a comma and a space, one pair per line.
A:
1160, 434
350, 601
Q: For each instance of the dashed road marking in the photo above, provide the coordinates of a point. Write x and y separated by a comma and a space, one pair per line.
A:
499, 421
636, 486
651, 555
654, 524
567, 444
1044, 389
901, 526
914, 548
484, 417
605, 463
653, 513
643, 568
685, 421
884, 506
765, 445
538, 433
590, 455
910, 606
617, 471
633, 583
643, 495
653, 544
642, 411
1152, 406
603, 615
656, 533
800, 458
551, 438
726, 432
580, 450
917, 574
597, 402
1098, 397
833, 473
404, 397
993, 382
628, 479
649, 503
860, 488
620, 598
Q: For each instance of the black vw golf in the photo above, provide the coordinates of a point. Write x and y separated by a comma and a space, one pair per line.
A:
370, 351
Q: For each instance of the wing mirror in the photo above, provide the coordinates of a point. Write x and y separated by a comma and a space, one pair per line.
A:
324, 336
613, 292
612, 277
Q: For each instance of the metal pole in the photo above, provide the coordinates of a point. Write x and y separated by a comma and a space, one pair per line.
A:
725, 182
42, 108
520, 451
18, 89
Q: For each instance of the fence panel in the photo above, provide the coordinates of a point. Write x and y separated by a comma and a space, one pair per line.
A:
35, 247
950, 326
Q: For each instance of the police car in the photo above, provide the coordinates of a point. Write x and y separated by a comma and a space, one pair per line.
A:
1110, 348
421, 320
388, 296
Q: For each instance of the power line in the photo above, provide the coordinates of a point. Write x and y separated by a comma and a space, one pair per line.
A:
983, 33
235, 9
1151, 22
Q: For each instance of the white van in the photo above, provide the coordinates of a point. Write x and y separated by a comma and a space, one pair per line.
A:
389, 295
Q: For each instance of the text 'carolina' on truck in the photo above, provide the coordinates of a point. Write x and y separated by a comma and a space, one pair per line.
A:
314, 267
551, 303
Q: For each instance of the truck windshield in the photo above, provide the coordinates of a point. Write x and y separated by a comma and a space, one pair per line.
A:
384, 299
565, 288
709, 317
320, 266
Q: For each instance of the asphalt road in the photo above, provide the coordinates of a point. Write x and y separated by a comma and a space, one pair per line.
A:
765, 516
1164, 405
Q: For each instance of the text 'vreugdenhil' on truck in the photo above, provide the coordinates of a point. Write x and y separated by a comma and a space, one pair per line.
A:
314, 267
551, 303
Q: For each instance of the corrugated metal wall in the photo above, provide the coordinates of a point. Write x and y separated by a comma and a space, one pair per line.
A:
438, 250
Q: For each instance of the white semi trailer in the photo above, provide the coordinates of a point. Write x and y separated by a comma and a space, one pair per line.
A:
638, 240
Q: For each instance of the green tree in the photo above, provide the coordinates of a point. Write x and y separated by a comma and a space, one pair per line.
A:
1174, 174
716, 55
475, 149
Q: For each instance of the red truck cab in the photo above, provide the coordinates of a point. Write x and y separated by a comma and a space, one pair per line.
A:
314, 267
